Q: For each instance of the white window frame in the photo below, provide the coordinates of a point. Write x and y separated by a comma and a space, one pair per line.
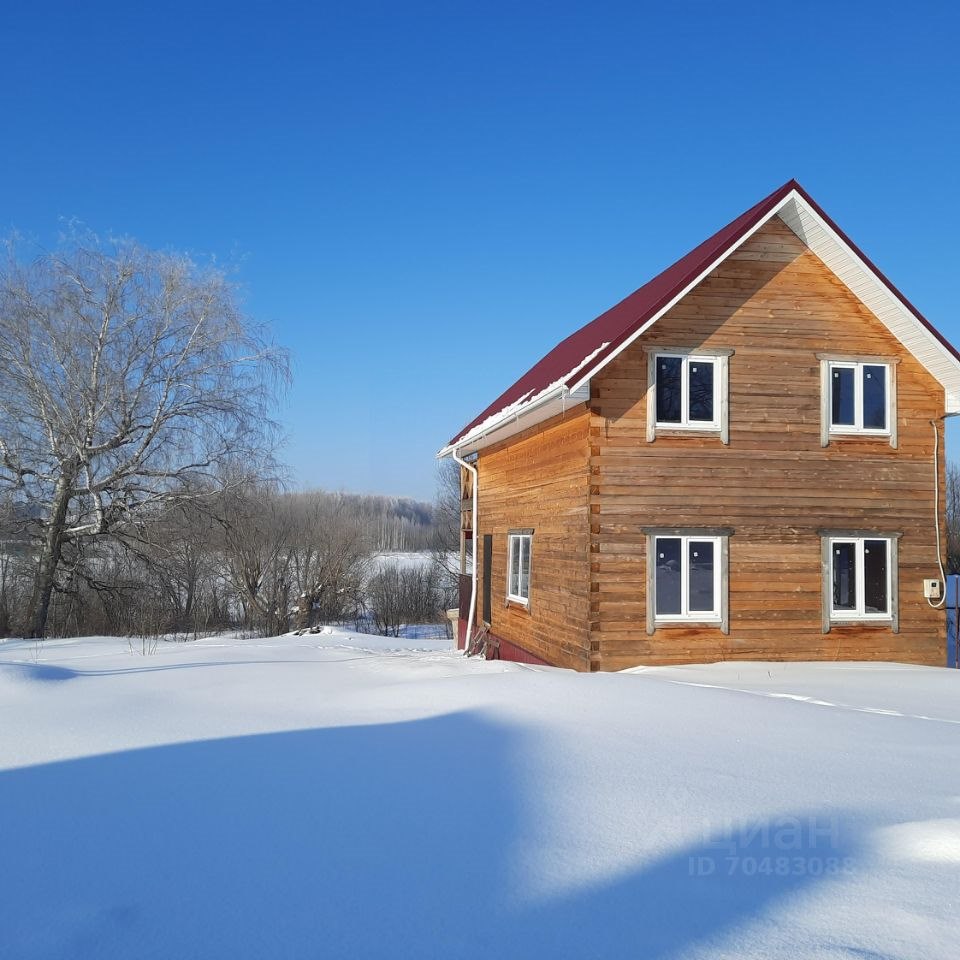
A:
859, 614
524, 543
685, 423
687, 615
857, 426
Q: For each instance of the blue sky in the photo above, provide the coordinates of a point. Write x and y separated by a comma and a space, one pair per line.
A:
423, 198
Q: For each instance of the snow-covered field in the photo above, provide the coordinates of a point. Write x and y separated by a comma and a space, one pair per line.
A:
329, 796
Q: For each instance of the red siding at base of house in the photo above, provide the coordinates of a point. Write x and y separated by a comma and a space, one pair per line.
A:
510, 651
505, 650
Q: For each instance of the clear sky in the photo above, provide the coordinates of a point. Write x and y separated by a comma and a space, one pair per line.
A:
424, 198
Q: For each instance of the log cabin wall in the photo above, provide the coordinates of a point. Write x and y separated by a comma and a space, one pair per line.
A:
538, 481
776, 306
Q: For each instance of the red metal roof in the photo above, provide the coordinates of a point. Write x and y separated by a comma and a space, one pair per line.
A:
565, 362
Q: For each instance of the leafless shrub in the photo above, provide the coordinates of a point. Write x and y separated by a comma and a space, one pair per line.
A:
329, 554
403, 595
257, 535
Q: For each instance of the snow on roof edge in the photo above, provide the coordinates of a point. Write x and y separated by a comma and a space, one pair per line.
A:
523, 405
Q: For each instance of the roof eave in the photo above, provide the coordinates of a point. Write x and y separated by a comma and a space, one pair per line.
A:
552, 401
698, 278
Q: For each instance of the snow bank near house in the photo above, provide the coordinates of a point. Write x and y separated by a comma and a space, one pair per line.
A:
413, 637
315, 797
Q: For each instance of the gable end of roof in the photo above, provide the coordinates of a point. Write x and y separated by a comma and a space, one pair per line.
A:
571, 364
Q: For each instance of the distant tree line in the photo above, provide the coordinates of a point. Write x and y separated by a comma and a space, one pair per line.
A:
250, 556
391, 524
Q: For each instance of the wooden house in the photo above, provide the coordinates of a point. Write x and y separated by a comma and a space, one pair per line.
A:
741, 460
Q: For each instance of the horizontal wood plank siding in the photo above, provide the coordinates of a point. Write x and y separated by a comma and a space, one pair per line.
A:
538, 480
777, 306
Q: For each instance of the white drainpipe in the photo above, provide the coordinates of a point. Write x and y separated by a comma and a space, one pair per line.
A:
936, 503
473, 532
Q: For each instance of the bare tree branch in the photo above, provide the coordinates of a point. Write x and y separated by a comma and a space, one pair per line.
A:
125, 375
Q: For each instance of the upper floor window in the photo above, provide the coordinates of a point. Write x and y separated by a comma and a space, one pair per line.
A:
518, 566
688, 391
858, 397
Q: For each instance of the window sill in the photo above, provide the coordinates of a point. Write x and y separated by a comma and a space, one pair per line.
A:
512, 603
859, 434
657, 624
886, 621
675, 431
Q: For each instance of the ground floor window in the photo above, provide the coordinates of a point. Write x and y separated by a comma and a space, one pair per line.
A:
519, 546
860, 577
687, 577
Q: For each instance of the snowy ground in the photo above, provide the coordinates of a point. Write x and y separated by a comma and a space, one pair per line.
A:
329, 796
412, 635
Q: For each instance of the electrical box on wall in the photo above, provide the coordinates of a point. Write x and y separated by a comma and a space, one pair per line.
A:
931, 589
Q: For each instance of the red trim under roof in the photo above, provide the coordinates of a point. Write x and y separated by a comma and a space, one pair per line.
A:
565, 362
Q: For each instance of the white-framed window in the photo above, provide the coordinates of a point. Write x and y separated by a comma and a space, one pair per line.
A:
687, 391
859, 396
687, 577
861, 577
518, 566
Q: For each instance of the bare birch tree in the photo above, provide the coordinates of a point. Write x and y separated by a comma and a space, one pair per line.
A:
129, 379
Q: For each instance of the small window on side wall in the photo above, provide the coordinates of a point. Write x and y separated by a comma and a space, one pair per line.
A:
687, 392
518, 567
859, 399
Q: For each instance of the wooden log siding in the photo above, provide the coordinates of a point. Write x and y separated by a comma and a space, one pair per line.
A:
777, 307
538, 480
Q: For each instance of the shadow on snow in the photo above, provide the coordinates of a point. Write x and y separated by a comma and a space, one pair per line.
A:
388, 840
